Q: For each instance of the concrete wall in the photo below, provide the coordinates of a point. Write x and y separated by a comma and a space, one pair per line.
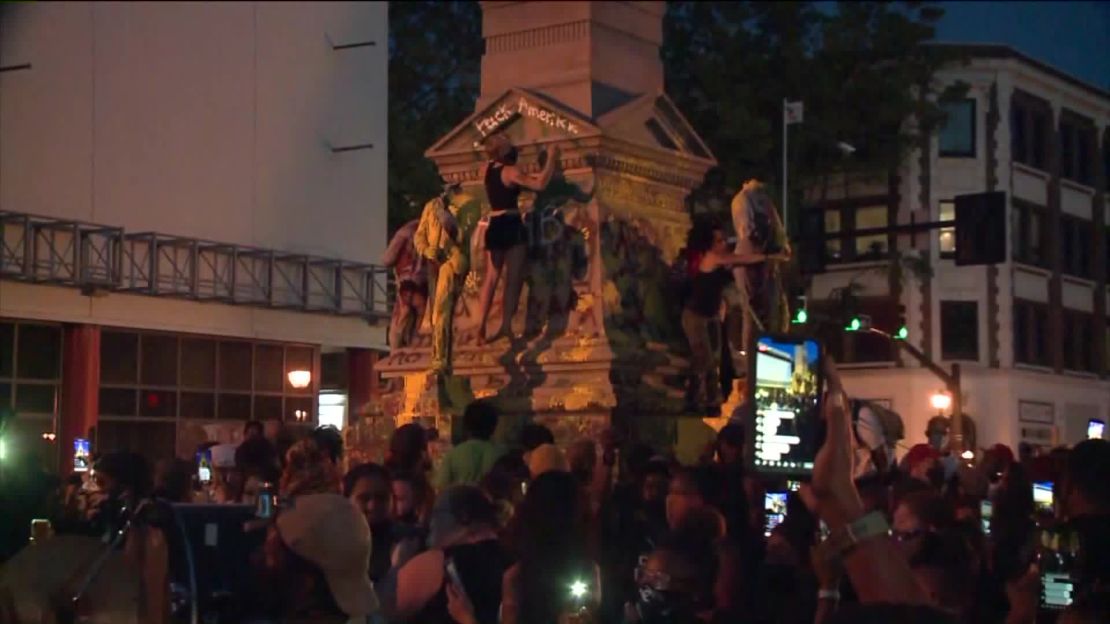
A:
209, 120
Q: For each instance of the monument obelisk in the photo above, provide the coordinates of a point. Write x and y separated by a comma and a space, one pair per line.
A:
599, 320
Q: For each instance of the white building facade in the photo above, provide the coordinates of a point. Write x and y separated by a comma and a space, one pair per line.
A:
191, 196
1031, 334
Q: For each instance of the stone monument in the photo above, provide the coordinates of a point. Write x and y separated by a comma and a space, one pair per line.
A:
598, 338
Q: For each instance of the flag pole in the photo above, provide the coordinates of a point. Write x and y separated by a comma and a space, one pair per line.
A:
785, 213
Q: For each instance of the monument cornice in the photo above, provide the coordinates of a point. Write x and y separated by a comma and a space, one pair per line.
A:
597, 153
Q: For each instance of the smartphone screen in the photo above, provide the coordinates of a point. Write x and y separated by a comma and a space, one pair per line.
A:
774, 511
787, 430
1056, 555
1095, 428
80, 455
793, 486
204, 466
986, 510
1042, 496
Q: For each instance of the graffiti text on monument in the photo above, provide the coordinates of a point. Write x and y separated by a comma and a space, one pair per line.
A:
503, 114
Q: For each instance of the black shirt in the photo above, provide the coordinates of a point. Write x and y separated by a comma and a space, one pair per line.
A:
500, 195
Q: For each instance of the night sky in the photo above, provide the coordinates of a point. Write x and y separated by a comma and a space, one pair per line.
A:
1072, 36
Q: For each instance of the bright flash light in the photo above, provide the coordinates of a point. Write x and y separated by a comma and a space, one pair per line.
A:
578, 589
968, 455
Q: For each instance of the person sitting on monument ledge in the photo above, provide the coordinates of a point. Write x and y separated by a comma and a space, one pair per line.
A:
701, 314
468, 462
506, 237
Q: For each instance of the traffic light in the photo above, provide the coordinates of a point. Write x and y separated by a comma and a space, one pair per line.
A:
902, 331
801, 316
858, 323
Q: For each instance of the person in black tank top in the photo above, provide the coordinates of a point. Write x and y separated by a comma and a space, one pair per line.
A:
505, 236
463, 536
701, 320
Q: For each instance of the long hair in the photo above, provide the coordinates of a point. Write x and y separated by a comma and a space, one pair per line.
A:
499, 149
551, 544
407, 447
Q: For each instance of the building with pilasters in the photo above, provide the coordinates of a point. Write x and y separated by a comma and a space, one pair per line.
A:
1031, 334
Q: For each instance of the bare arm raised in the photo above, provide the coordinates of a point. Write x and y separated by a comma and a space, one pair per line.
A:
534, 181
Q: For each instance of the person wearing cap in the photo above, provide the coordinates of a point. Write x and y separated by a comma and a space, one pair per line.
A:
316, 556
922, 462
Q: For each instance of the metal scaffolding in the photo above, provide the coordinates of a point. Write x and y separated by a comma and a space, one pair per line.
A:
99, 258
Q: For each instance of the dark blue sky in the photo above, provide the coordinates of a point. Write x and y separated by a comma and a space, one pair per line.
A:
1072, 36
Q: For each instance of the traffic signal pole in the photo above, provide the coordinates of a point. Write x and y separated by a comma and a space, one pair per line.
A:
951, 380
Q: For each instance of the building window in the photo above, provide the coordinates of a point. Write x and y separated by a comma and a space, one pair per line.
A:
957, 135
30, 367
850, 217
1029, 123
149, 377
1079, 353
1076, 149
1030, 233
1077, 246
947, 236
959, 330
1031, 333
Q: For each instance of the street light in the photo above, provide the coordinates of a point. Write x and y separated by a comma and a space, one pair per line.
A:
941, 401
300, 378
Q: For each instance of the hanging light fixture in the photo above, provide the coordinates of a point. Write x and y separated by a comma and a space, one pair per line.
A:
300, 378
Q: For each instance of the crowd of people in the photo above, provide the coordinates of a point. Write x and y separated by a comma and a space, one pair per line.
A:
614, 531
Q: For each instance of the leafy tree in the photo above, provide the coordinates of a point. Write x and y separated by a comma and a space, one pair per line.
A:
435, 53
861, 70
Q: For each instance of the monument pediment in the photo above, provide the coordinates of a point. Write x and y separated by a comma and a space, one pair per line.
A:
525, 117
654, 121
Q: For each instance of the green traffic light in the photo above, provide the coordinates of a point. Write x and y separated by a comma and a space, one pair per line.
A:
854, 324
801, 317
903, 333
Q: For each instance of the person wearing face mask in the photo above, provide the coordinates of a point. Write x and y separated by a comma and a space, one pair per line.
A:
673, 586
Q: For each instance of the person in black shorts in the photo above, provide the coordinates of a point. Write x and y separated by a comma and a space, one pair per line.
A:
505, 235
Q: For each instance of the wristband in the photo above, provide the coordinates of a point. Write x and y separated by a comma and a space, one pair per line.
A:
829, 594
843, 540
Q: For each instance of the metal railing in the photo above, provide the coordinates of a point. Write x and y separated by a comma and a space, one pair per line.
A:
98, 258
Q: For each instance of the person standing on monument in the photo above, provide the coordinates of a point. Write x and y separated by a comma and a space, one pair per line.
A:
701, 316
506, 237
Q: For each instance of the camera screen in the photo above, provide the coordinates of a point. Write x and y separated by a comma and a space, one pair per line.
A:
204, 466
1042, 496
80, 455
788, 430
986, 510
774, 508
1095, 429
1056, 589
